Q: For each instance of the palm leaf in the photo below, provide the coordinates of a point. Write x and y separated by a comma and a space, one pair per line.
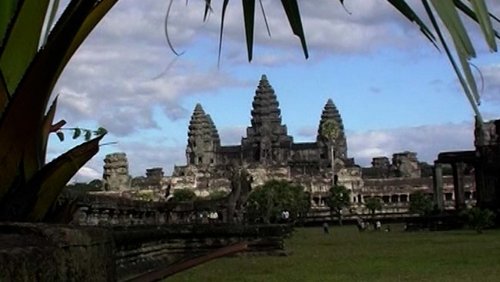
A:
93, 17
8, 10
484, 22
408, 12
462, 80
53, 177
46, 130
293, 14
449, 16
207, 8
52, 11
468, 11
22, 118
32, 200
223, 16
21, 42
265, 18
249, 18
4, 94
34, 153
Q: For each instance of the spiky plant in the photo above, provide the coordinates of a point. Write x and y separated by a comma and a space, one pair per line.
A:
33, 53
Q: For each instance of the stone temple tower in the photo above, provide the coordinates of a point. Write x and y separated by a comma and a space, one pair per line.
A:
267, 141
203, 139
330, 112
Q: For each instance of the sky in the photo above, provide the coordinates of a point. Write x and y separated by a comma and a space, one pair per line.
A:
394, 90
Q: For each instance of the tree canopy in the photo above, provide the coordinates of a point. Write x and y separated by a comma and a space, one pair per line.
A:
267, 202
420, 203
338, 199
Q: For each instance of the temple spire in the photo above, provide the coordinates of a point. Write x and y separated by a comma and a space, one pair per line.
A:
266, 135
203, 138
330, 112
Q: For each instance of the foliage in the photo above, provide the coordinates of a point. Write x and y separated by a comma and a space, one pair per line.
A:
219, 194
378, 256
330, 130
183, 195
339, 198
420, 203
92, 186
479, 219
31, 59
77, 132
268, 201
373, 204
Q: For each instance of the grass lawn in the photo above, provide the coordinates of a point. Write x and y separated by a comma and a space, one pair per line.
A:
348, 255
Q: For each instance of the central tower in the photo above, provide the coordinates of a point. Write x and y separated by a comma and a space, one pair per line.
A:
267, 141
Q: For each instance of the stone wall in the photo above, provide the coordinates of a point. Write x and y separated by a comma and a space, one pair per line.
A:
41, 252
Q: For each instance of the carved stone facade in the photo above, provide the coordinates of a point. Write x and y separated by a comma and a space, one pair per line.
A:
115, 176
267, 151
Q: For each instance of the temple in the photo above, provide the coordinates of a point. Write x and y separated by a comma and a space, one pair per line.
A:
267, 142
267, 151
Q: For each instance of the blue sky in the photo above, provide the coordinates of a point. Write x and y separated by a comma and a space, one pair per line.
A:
395, 91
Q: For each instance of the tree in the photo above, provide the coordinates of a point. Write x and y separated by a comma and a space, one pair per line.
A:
478, 219
330, 130
373, 204
420, 203
183, 195
339, 198
268, 201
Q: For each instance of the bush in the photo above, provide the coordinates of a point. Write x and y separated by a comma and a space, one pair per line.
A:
184, 195
478, 219
267, 202
420, 203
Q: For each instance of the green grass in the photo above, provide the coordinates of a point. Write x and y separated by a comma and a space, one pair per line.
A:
348, 255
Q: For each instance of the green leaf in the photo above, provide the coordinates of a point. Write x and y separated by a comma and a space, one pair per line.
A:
76, 133
293, 14
24, 113
7, 13
463, 82
100, 131
88, 134
52, 15
32, 201
92, 18
249, 18
223, 15
22, 41
47, 129
449, 16
4, 94
408, 12
60, 135
54, 176
207, 8
468, 11
484, 22
34, 154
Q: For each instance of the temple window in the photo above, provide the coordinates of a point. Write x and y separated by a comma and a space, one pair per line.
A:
403, 198
448, 196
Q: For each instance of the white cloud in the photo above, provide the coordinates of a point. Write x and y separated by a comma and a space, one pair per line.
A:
427, 141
